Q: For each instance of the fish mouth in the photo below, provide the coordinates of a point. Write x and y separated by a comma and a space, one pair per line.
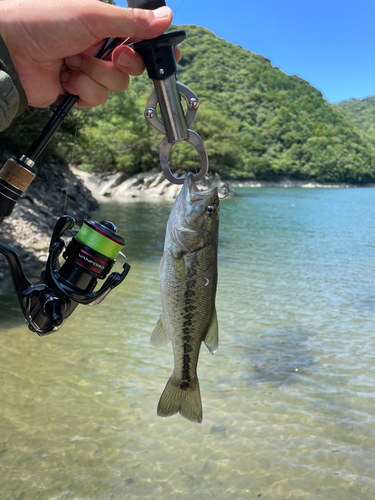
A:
193, 186
195, 193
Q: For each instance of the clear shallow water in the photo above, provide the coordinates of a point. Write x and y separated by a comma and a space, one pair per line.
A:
289, 399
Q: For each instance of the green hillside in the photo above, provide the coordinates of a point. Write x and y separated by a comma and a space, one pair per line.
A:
362, 113
257, 123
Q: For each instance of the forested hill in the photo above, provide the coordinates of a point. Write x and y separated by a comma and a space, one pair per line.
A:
257, 123
362, 113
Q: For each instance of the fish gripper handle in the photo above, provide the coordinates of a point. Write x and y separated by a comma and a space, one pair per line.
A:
146, 4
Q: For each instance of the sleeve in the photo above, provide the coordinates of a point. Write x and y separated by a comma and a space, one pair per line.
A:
13, 100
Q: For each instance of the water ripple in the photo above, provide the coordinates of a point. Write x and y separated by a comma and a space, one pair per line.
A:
288, 399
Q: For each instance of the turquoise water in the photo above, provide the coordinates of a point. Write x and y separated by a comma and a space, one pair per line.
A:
288, 399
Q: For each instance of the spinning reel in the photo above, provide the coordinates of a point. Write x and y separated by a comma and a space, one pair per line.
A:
89, 256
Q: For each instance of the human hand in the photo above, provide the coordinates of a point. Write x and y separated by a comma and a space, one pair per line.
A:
53, 45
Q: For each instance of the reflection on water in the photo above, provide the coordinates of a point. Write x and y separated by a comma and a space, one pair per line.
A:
288, 398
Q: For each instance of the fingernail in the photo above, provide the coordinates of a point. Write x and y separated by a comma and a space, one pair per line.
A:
73, 62
162, 13
124, 59
64, 76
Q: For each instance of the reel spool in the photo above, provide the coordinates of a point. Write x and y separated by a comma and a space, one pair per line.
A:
90, 255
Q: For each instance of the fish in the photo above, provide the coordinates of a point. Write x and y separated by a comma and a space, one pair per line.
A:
188, 283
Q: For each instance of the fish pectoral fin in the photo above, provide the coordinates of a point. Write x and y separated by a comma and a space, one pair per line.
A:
212, 337
159, 336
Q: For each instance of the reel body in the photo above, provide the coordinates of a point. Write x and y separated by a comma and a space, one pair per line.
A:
88, 257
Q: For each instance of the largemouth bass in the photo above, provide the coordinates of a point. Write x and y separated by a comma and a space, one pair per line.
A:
188, 274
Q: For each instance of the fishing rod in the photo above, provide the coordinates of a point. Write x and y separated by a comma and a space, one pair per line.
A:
16, 175
91, 254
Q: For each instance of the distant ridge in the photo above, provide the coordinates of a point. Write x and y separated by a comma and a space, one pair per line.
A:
362, 113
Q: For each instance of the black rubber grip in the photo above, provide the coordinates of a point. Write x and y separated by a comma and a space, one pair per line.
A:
146, 4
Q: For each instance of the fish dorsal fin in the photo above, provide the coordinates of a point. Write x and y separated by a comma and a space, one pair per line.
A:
212, 337
159, 336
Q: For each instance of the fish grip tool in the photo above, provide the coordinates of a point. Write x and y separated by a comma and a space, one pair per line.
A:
161, 67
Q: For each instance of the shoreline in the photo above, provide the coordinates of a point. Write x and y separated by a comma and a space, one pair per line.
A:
296, 184
153, 187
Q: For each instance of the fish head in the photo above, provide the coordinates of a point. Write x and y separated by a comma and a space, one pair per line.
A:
194, 220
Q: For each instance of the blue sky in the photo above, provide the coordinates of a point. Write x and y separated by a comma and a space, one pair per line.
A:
331, 43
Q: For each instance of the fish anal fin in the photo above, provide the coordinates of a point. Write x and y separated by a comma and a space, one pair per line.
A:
186, 401
159, 336
212, 337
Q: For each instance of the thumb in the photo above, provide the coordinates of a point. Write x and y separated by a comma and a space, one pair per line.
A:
111, 21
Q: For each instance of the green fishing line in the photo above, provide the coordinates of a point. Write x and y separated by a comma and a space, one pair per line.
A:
98, 242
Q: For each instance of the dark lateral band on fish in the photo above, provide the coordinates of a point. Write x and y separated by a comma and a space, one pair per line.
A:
188, 273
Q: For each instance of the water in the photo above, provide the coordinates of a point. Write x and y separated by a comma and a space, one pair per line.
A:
288, 399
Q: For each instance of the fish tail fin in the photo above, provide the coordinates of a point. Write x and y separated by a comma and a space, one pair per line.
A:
186, 401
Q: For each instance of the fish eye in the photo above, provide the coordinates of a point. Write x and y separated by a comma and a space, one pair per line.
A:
210, 209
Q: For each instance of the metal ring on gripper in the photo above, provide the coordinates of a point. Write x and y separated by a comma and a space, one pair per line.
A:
165, 148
